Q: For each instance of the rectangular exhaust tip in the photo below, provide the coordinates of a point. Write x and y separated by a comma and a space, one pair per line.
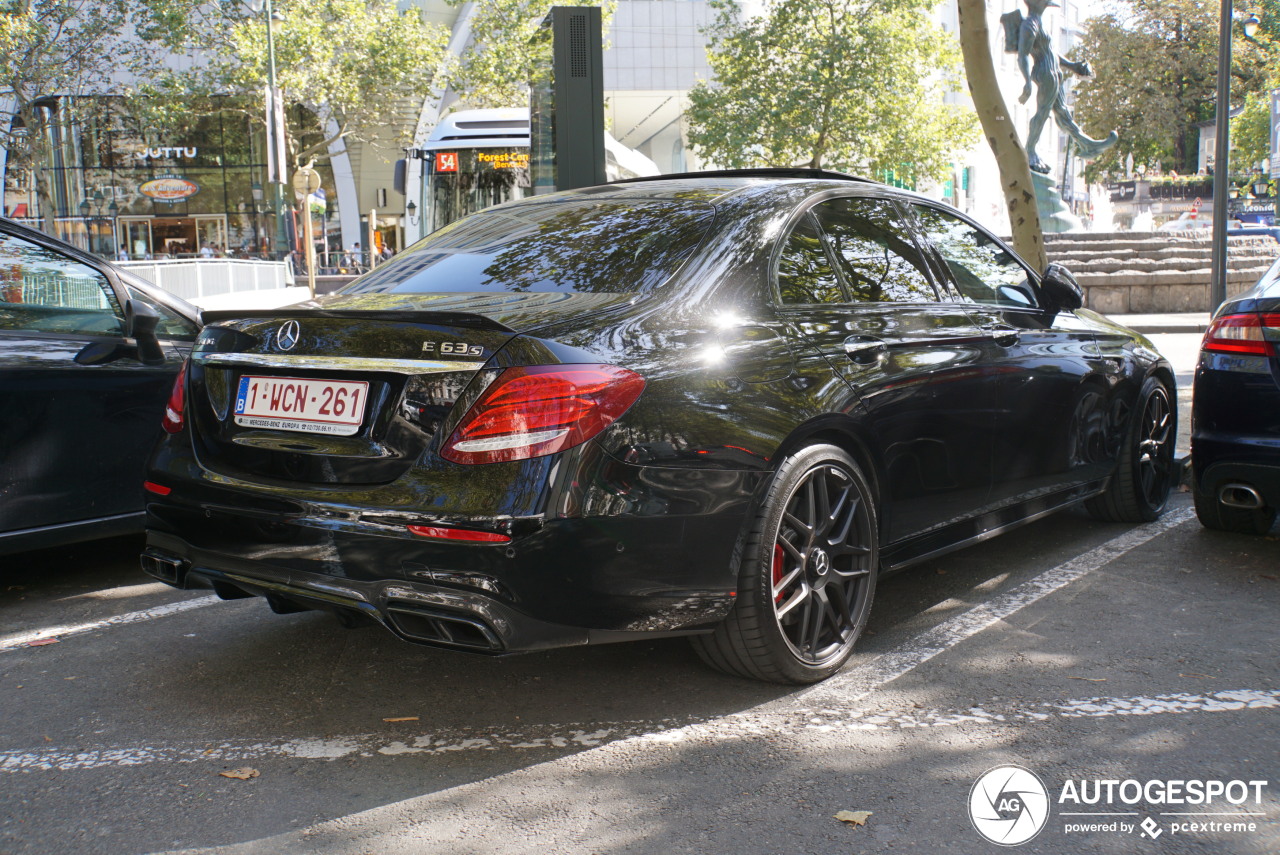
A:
163, 567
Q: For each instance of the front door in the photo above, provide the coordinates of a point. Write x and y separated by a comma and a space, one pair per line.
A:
74, 438
1052, 420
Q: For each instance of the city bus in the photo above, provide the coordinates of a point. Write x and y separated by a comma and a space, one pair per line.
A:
477, 158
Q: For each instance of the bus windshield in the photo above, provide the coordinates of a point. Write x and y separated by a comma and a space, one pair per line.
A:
464, 180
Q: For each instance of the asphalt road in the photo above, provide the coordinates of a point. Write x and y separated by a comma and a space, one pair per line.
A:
1079, 650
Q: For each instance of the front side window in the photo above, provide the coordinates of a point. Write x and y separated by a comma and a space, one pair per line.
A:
805, 276
42, 290
983, 271
871, 246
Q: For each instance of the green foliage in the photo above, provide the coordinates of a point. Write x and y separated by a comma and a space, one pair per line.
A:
1251, 130
837, 84
1155, 75
55, 48
495, 70
352, 62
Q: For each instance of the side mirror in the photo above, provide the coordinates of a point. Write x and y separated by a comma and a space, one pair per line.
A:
1061, 289
140, 321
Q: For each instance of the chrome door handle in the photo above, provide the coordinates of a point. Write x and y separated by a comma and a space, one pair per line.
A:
1004, 336
864, 350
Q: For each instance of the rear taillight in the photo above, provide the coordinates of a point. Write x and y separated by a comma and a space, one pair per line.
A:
1249, 334
466, 535
173, 410
530, 412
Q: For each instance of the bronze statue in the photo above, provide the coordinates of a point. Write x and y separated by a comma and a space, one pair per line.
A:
1040, 64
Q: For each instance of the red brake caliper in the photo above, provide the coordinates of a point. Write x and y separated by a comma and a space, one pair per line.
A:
778, 558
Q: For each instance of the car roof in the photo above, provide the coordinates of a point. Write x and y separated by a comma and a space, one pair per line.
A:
713, 187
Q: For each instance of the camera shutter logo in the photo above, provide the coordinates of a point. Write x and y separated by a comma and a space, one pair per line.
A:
1008, 805
288, 335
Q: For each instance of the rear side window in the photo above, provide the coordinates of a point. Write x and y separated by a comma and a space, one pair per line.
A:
562, 246
42, 290
805, 276
871, 246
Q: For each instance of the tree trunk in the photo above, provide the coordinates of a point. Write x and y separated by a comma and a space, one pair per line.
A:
1002, 136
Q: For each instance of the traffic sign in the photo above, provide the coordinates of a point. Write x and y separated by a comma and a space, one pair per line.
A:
306, 181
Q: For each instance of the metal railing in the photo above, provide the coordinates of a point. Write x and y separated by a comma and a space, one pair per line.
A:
194, 279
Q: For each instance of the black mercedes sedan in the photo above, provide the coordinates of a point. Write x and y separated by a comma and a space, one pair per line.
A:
718, 405
1235, 413
88, 353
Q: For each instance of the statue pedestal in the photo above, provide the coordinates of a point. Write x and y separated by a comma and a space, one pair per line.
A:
1055, 216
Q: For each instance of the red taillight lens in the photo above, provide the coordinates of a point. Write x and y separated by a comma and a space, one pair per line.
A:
465, 535
173, 410
158, 489
530, 412
1241, 334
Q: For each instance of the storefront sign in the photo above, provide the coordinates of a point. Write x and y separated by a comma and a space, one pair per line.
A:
446, 161
165, 151
504, 159
169, 189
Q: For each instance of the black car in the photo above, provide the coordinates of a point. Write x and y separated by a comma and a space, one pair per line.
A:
88, 356
1235, 413
717, 405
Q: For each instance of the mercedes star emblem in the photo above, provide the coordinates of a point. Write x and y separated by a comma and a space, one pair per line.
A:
287, 336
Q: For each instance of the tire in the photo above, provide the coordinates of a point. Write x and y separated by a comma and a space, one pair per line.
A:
808, 574
1145, 474
1217, 516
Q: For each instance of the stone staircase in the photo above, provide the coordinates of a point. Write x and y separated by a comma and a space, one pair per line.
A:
1148, 273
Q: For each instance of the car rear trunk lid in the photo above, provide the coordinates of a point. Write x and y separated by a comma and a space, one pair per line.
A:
334, 397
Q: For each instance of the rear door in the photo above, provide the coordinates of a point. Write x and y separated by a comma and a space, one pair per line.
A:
73, 438
1053, 426
858, 290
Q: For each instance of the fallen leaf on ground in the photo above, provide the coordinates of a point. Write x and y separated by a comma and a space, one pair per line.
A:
402, 718
240, 774
43, 641
1090, 679
854, 817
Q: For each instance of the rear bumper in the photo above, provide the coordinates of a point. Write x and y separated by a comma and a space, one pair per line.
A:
1219, 460
424, 614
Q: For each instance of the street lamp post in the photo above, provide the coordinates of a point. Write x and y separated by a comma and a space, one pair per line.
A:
91, 210
1222, 153
256, 192
275, 127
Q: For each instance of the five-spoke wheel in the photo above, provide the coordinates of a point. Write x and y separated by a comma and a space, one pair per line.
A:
1140, 487
808, 574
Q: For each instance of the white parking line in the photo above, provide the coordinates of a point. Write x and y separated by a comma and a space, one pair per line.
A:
18, 641
845, 690
858, 681
666, 731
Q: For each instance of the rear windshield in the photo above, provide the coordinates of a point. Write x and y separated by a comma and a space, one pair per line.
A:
565, 246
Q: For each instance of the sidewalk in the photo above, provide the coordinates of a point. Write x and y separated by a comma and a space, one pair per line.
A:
1189, 322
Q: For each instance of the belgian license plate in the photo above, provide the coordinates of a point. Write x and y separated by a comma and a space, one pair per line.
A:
292, 403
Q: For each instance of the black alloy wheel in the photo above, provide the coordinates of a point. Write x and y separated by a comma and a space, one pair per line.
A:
808, 574
1139, 489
